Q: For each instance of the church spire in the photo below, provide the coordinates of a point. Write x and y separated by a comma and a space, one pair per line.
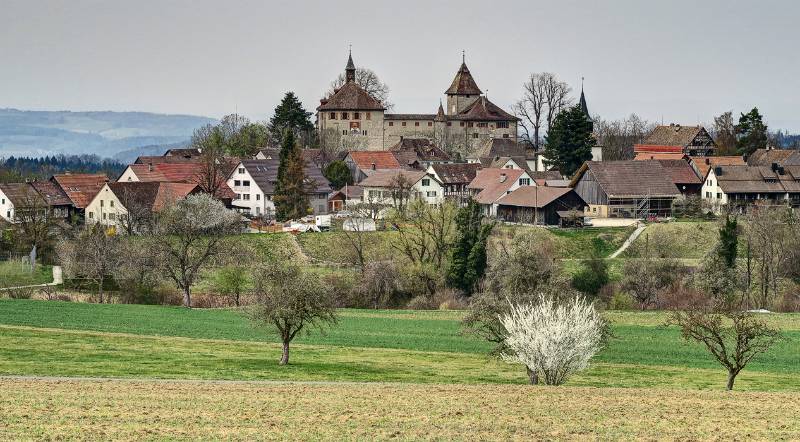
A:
350, 70
584, 108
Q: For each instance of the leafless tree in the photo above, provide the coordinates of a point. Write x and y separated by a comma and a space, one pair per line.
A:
531, 108
35, 225
94, 254
770, 234
190, 232
724, 132
556, 94
290, 300
732, 336
401, 190
618, 137
139, 215
370, 82
425, 232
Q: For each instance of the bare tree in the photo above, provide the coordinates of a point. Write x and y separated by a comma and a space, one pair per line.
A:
618, 137
189, 233
369, 81
770, 233
425, 232
94, 254
556, 95
531, 108
733, 337
401, 190
291, 300
35, 225
724, 132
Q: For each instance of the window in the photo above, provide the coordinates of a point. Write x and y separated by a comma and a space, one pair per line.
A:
431, 194
246, 183
719, 196
111, 203
430, 123
416, 123
524, 181
426, 182
449, 123
4, 200
101, 203
470, 124
344, 132
241, 170
333, 115
356, 115
112, 216
364, 132
8, 214
391, 123
404, 123
482, 124
708, 194
344, 115
258, 197
238, 196
237, 183
91, 215
502, 124
104, 215
369, 115
462, 124
246, 196
475, 135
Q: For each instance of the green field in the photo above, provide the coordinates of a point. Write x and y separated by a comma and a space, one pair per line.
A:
421, 347
15, 273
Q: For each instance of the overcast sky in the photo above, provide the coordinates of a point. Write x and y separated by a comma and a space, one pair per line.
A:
680, 61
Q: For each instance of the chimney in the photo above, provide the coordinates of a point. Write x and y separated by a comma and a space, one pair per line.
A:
373, 166
718, 171
781, 170
774, 167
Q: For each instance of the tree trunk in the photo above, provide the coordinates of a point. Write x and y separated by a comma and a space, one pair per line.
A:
285, 355
533, 376
237, 299
187, 297
100, 289
731, 378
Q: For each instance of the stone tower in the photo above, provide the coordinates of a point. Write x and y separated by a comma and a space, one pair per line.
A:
463, 91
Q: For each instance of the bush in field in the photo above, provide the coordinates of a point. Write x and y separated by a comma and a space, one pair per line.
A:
552, 339
592, 276
646, 278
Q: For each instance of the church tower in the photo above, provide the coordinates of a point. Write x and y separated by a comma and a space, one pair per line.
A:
350, 70
463, 91
585, 108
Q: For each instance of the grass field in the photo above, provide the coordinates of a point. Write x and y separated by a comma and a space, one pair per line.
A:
136, 410
687, 240
15, 273
404, 346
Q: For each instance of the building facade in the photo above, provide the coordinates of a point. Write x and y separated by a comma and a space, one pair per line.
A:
353, 120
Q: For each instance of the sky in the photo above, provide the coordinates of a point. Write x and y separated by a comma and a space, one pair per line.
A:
671, 61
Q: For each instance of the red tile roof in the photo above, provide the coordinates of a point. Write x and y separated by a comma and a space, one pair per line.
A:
656, 148
80, 188
644, 156
493, 183
350, 97
168, 172
704, 164
680, 171
533, 196
463, 83
382, 159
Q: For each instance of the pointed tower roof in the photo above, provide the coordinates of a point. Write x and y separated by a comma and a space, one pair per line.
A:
584, 108
350, 70
463, 83
440, 113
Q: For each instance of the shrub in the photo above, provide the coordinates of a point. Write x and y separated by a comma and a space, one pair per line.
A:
592, 276
421, 302
621, 301
20, 293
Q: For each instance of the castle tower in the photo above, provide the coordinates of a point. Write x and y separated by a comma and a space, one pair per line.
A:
463, 91
350, 70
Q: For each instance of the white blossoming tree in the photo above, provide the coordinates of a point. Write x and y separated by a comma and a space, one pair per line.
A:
552, 339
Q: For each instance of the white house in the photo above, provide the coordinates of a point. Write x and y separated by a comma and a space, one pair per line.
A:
130, 203
383, 187
739, 186
15, 197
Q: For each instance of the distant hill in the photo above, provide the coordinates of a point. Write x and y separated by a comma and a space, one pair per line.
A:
106, 133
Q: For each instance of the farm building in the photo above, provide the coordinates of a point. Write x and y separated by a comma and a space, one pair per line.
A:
691, 140
490, 185
739, 186
538, 204
625, 189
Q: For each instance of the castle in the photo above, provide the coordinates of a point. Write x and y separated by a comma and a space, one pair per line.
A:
353, 120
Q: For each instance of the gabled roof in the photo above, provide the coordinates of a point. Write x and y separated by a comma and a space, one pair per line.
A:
168, 172
381, 159
265, 175
500, 147
533, 196
164, 159
80, 188
388, 178
51, 193
456, 173
673, 135
752, 179
352, 97
152, 196
348, 192
656, 148
643, 156
704, 164
629, 178
543, 176
680, 171
463, 83
493, 183
424, 149
22, 194
483, 110
764, 157
183, 152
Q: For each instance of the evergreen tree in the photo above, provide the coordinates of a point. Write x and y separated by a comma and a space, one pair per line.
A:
291, 198
728, 241
468, 259
338, 174
569, 140
290, 114
288, 144
751, 132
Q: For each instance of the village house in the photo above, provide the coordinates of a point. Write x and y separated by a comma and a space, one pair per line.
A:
351, 118
345, 197
80, 189
364, 163
253, 183
16, 199
490, 185
455, 177
683, 176
398, 187
690, 140
188, 172
418, 153
737, 187
625, 189
539, 205
130, 205
57, 201
768, 157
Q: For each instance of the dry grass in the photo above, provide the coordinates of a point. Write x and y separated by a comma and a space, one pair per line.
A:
142, 410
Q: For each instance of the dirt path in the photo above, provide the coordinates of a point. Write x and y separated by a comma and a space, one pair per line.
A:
639, 229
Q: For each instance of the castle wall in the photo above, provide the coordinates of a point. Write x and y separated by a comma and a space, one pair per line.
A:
359, 130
